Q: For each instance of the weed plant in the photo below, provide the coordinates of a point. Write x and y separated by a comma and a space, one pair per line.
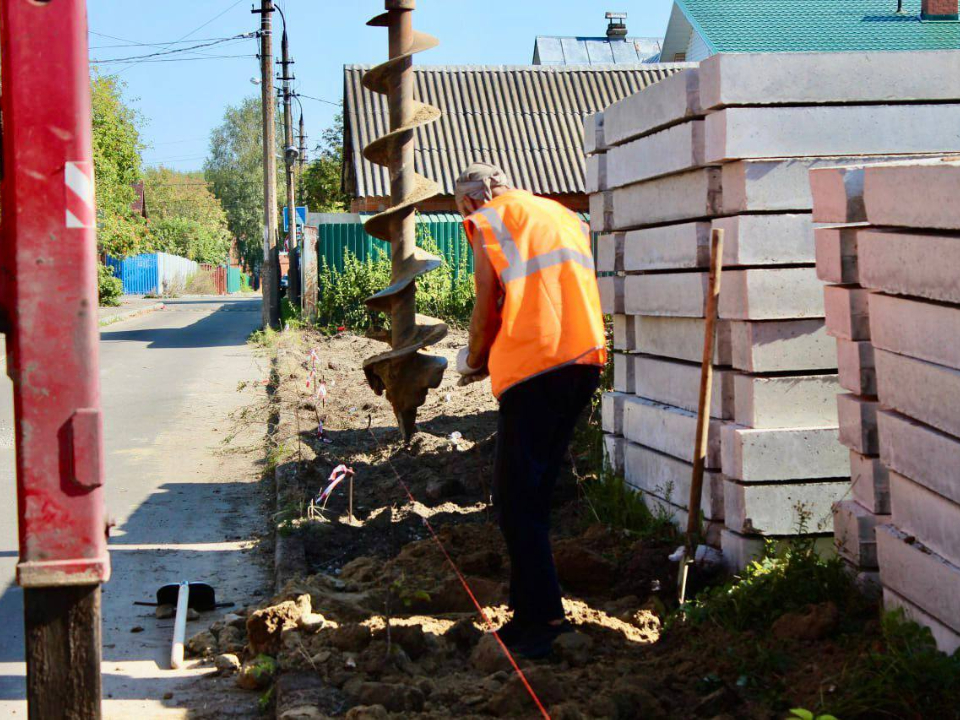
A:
904, 676
785, 580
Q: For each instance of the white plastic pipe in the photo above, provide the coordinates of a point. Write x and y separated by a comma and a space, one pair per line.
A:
180, 626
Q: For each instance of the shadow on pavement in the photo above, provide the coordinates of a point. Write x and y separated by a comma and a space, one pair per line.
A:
208, 331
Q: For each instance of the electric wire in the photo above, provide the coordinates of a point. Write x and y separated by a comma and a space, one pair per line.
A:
132, 58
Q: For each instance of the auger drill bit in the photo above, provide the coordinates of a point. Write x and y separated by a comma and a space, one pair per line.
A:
404, 373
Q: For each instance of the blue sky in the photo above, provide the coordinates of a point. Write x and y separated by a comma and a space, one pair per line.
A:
182, 101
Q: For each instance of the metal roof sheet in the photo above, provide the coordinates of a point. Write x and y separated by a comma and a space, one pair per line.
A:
816, 26
548, 50
527, 119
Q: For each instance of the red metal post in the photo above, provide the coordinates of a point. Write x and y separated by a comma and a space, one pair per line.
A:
49, 298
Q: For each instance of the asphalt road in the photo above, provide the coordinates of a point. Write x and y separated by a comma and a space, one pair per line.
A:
185, 504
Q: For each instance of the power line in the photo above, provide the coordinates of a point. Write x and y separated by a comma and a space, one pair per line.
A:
328, 102
187, 59
127, 42
244, 36
192, 32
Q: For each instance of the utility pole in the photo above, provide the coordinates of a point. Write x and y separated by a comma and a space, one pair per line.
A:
269, 278
48, 292
290, 157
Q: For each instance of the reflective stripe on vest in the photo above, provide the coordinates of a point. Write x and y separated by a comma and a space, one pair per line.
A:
517, 267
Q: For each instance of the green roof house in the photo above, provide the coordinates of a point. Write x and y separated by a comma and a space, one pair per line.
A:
700, 28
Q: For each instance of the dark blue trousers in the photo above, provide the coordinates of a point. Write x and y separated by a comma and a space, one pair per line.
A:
535, 425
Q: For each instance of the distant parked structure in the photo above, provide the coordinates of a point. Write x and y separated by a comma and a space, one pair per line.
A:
614, 48
700, 28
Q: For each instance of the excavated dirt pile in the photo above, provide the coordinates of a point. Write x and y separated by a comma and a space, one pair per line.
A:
379, 626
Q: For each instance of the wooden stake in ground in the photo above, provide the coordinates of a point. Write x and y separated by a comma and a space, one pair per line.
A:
706, 384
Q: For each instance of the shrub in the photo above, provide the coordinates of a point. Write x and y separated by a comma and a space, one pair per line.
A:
201, 283
446, 293
110, 287
905, 676
786, 580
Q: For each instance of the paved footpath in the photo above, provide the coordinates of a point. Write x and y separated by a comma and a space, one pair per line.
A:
185, 505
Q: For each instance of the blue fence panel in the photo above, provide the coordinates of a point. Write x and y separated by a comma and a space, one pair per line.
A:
139, 274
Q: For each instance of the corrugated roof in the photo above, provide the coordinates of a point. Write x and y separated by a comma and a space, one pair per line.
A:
816, 26
527, 119
549, 50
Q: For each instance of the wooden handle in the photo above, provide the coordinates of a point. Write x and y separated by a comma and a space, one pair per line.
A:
706, 385
180, 626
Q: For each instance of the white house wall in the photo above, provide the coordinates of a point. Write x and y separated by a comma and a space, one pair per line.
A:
697, 49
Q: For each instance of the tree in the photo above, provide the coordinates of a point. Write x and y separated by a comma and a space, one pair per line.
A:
186, 218
117, 164
234, 170
321, 179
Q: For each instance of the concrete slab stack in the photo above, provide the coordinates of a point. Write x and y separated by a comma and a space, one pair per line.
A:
867, 505
905, 252
730, 145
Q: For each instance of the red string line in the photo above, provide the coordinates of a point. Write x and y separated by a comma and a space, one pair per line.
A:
473, 598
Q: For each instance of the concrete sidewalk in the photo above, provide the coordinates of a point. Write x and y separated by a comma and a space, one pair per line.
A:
130, 306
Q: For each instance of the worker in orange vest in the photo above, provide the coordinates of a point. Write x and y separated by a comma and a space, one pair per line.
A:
537, 330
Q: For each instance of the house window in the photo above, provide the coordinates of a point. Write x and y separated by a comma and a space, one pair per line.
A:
680, 57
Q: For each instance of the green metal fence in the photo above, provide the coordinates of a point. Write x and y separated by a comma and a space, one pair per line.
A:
343, 232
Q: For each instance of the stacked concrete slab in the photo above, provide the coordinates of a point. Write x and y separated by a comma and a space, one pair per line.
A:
907, 254
846, 301
730, 145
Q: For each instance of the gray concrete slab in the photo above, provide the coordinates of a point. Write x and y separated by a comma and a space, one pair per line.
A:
812, 131
858, 423
836, 255
782, 346
927, 392
914, 194
666, 294
854, 529
771, 294
670, 430
781, 508
921, 576
680, 338
775, 239
856, 367
668, 478
685, 246
870, 480
688, 196
785, 401
927, 516
815, 78
847, 311
667, 152
678, 384
925, 455
751, 455
909, 263
671, 100
918, 328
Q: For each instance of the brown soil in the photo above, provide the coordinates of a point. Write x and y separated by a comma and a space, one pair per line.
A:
382, 622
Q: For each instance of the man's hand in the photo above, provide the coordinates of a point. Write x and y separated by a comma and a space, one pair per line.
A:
469, 374
463, 363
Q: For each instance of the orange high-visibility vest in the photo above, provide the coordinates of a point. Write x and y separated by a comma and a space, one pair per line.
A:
551, 312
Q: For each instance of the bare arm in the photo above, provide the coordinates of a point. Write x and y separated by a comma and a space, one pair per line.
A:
485, 322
